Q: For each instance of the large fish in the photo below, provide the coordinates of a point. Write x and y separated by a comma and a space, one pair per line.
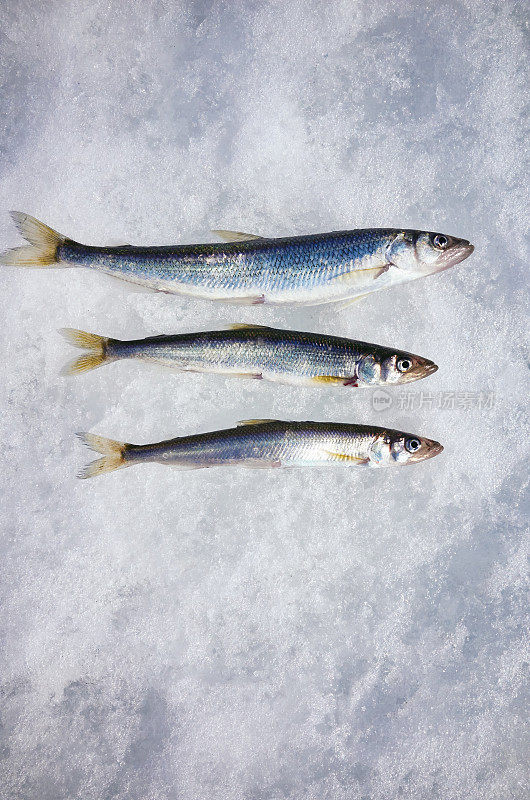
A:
264, 443
253, 351
247, 269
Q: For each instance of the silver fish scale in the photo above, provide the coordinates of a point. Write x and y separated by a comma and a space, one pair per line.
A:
254, 350
270, 442
268, 265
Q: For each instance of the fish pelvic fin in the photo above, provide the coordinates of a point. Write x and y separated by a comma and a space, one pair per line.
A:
351, 301
113, 455
251, 300
95, 357
42, 250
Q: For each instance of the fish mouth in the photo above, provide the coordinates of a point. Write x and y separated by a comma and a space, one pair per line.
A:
429, 450
462, 250
422, 369
459, 251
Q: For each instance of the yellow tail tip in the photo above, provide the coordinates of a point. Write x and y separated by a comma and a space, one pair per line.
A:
96, 345
84, 364
113, 455
90, 341
42, 250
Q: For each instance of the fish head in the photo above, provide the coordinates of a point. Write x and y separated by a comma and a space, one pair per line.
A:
397, 448
400, 368
392, 367
419, 253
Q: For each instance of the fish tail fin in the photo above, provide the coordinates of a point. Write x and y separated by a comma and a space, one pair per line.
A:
42, 250
97, 351
113, 455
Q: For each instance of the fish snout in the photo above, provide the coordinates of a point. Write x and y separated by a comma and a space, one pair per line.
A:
428, 449
466, 248
429, 369
459, 251
421, 368
432, 449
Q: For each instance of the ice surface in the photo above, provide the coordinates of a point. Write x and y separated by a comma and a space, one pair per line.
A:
230, 634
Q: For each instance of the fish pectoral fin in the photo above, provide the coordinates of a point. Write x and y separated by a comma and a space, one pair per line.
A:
333, 380
254, 421
243, 326
236, 236
361, 274
346, 458
252, 300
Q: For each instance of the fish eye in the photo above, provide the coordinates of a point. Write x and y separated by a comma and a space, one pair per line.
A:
412, 445
440, 241
404, 364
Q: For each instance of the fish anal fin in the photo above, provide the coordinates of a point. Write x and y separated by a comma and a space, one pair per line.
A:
236, 236
260, 463
248, 463
133, 286
187, 467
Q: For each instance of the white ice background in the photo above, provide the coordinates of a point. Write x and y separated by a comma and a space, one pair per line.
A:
229, 634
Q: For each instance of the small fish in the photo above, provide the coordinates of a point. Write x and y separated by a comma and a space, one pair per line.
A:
268, 443
252, 270
254, 351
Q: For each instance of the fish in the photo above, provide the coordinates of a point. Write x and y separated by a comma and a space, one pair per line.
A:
268, 444
258, 352
247, 269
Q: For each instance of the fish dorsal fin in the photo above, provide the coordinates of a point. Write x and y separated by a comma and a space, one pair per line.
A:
236, 236
243, 326
254, 421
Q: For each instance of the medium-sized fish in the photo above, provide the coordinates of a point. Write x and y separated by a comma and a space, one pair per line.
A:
254, 351
266, 443
248, 269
